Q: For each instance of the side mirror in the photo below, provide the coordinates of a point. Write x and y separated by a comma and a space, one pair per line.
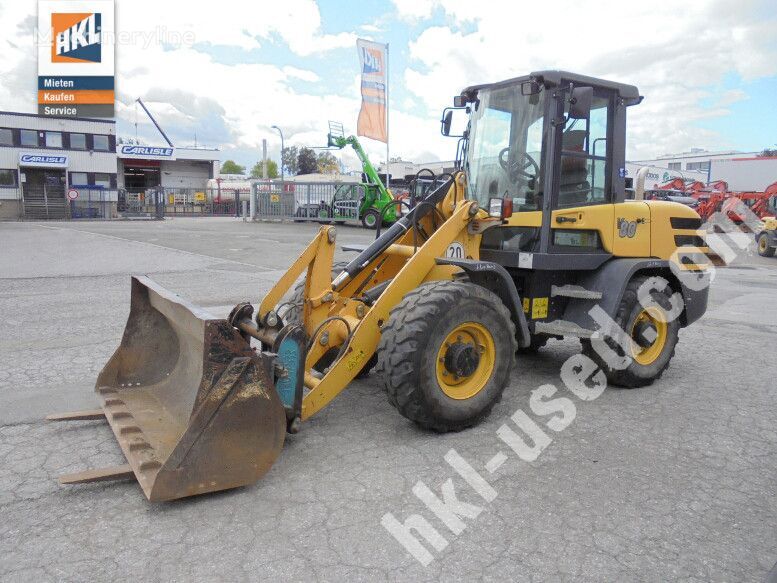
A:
446, 120
580, 102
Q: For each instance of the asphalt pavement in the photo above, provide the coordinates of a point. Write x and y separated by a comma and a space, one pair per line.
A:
674, 481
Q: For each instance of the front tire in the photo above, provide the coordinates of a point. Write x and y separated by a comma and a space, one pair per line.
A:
764, 246
655, 337
446, 353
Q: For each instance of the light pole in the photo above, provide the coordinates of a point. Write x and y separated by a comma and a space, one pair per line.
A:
282, 148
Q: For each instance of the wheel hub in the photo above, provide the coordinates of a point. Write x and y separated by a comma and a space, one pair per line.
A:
645, 334
461, 359
466, 359
649, 334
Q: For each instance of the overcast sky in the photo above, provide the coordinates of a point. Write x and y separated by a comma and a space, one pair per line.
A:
228, 70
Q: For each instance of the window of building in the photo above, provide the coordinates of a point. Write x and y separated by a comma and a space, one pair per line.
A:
675, 165
6, 137
704, 166
77, 141
29, 138
78, 179
53, 139
101, 143
7, 177
103, 180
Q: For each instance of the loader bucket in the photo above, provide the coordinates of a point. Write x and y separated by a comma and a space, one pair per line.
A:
192, 406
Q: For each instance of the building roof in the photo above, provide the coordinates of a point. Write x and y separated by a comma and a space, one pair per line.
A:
65, 117
698, 154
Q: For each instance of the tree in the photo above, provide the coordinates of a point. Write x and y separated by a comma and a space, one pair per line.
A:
327, 163
232, 167
272, 169
289, 159
768, 153
306, 161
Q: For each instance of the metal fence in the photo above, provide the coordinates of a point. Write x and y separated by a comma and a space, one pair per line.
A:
307, 201
97, 203
263, 200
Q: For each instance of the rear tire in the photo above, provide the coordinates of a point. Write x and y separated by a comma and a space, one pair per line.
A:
648, 363
370, 219
764, 245
446, 322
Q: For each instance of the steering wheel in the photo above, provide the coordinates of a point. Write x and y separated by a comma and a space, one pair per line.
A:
517, 171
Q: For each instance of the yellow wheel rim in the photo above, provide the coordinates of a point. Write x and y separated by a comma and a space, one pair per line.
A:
762, 244
655, 318
465, 360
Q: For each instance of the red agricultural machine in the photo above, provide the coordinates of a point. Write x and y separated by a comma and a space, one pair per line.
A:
716, 197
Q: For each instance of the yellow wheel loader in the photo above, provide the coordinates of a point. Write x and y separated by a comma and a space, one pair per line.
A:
766, 239
529, 239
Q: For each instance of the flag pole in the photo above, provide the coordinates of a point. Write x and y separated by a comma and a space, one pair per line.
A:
387, 118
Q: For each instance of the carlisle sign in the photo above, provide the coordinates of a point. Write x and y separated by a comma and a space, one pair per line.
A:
42, 160
147, 152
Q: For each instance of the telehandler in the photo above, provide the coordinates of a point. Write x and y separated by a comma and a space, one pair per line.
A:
375, 205
516, 247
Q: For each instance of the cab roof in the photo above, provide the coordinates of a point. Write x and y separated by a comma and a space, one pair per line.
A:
629, 93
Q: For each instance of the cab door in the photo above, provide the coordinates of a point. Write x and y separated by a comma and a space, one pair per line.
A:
583, 216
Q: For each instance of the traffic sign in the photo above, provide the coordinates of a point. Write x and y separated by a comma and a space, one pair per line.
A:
72, 194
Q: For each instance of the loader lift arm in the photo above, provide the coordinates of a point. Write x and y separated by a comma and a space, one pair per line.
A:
337, 314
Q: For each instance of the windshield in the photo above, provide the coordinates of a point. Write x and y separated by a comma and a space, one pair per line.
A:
504, 155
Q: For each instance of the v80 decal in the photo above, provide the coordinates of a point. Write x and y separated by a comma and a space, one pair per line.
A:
627, 228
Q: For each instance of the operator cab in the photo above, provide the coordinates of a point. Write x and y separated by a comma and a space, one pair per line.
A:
545, 142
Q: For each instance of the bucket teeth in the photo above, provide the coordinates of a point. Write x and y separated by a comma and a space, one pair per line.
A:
116, 415
138, 443
149, 465
129, 429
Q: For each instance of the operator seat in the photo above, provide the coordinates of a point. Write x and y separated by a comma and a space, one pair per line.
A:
573, 183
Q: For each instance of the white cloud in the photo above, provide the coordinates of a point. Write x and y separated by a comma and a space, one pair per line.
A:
674, 53
671, 51
234, 23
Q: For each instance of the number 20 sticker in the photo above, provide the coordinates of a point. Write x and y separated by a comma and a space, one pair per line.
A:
455, 251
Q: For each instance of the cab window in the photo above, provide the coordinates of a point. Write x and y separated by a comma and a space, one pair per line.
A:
584, 179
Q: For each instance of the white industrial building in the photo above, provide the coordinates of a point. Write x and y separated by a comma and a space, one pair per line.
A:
42, 157
743, 171
44, 160
696, 159
142, 167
